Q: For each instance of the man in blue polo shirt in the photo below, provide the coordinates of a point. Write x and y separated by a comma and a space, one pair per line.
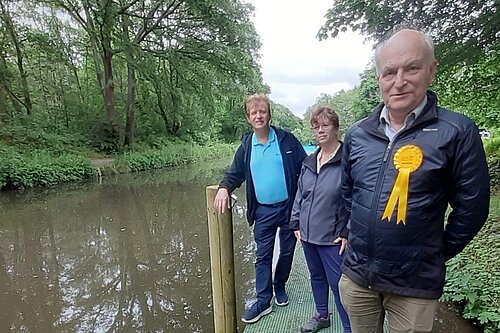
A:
269, 159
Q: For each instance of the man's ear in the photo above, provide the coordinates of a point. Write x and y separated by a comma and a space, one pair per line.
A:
433, 68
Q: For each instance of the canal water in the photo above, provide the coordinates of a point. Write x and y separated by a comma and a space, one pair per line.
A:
127, 254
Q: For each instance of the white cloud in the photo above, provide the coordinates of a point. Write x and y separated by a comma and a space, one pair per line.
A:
295, 64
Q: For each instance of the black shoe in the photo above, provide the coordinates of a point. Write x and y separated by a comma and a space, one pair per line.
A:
255, 312
280, 298
315, 324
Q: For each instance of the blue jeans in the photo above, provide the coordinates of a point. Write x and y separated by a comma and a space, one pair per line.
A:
324, 263
267, 221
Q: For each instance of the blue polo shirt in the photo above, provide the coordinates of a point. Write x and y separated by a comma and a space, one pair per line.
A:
268, 174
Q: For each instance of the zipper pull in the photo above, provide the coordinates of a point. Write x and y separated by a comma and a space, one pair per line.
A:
387, 150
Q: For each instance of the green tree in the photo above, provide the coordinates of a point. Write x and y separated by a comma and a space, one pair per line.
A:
282, 117
90, 65
11, 30
369, 93
462, 29
472, 89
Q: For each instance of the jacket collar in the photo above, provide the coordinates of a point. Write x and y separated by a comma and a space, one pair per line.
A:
373, 125
280, 134
310, 160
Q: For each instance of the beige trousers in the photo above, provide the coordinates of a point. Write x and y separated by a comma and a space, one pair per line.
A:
367, 310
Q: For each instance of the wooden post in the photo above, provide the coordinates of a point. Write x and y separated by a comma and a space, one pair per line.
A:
220, 234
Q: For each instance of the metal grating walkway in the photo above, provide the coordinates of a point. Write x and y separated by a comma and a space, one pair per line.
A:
301, 308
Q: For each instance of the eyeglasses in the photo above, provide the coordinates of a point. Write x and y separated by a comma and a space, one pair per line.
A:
316, 128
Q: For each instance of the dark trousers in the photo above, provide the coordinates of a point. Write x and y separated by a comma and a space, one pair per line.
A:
268, 219
324, 263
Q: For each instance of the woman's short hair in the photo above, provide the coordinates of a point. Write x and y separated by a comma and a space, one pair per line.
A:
256, 98
325, 112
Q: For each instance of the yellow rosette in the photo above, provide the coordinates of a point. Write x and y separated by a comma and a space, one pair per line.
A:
406, 160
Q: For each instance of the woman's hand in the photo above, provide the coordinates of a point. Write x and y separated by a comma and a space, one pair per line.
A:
343, 245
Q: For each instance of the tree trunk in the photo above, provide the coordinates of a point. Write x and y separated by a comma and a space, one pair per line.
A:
3, 103
111, 125
131, 85
71, 61
161, 108
3, 89
109, 85
91, 30
9, 25
129, 126
175, 100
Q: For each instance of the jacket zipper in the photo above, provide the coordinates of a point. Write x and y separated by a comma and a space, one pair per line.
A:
310, 206
371, 227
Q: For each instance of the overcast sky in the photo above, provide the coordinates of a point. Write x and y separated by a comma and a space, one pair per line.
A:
295, 64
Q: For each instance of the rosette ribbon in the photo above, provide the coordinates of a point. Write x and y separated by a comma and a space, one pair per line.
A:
407, 159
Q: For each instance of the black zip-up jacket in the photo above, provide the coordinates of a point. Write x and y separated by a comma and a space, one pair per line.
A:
318, 203
292, 154
409, 258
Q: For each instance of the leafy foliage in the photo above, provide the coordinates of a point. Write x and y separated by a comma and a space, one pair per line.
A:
173, 155
492, 148
40, 168
472, 89
463, 29
472, 276
282, 117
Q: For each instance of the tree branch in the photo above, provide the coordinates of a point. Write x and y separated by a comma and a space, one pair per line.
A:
143, 33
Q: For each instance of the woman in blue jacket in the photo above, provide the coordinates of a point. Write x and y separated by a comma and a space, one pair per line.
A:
315, 218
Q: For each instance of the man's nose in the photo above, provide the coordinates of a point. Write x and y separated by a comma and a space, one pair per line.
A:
400, 80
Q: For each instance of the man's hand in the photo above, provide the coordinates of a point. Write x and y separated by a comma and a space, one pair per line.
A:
297, 234
221, 201
344, 244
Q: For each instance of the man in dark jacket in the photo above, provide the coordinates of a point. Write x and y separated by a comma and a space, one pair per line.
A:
402, 166
269, 159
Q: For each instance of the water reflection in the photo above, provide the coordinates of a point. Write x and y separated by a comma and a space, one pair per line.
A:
130, 255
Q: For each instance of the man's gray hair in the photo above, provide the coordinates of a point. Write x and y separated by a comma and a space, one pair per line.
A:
427, 39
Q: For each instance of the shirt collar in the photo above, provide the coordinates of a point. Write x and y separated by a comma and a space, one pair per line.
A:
271, 138
384, 115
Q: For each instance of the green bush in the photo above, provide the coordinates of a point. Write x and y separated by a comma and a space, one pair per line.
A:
34, 138
40, 168
492, 148
494, 168
173, 155
472, 277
